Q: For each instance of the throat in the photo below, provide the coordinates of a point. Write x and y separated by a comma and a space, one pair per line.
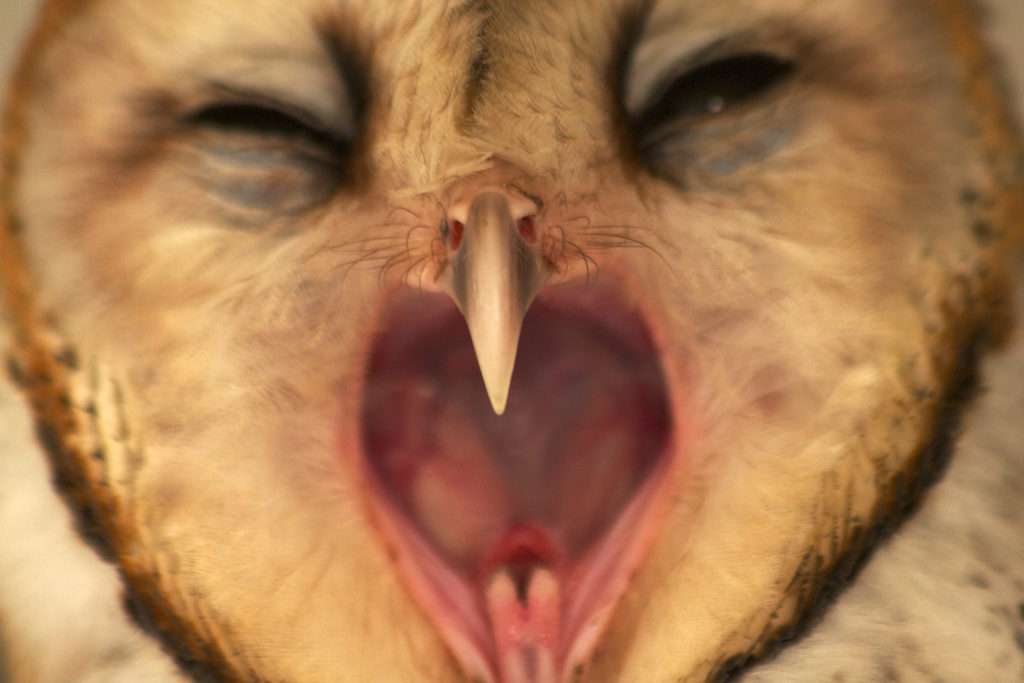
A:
505, 526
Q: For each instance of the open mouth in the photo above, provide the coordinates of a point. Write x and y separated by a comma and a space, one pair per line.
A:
517, 533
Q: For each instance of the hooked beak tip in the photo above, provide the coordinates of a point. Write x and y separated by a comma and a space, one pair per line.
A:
498, 401
496, 360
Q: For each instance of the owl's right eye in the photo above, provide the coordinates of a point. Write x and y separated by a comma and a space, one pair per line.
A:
267, 156
270, 121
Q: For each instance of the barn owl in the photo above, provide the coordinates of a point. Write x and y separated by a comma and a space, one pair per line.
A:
511, 342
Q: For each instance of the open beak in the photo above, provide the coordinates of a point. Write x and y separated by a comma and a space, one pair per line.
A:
517, 525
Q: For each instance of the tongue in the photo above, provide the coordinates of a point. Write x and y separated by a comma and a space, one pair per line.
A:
525, 612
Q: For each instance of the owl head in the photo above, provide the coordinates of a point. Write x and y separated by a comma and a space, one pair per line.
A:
521, 341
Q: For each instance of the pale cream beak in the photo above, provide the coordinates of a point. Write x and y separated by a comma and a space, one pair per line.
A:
493, 275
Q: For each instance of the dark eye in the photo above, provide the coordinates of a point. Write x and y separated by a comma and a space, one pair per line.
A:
712, 89
263, 156
268, 121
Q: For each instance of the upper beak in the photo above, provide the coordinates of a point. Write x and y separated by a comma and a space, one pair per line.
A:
493, 276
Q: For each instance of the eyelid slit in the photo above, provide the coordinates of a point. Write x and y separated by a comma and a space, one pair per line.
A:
262, 117
731, 80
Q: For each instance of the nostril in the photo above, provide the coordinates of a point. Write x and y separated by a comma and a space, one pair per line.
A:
527, 229
454, 235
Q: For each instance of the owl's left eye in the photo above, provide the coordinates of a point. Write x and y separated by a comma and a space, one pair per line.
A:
711, 117
715, 87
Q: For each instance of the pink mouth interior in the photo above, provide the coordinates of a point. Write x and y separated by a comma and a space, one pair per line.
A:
587, 422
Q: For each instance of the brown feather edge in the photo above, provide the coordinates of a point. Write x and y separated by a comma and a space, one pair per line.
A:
40, 365
985, 323
1002, 150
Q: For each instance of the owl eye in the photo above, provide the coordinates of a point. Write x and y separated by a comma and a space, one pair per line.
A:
260, 154
266, 120
713, 88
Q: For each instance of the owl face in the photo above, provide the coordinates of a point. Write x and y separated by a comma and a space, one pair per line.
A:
724, 268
